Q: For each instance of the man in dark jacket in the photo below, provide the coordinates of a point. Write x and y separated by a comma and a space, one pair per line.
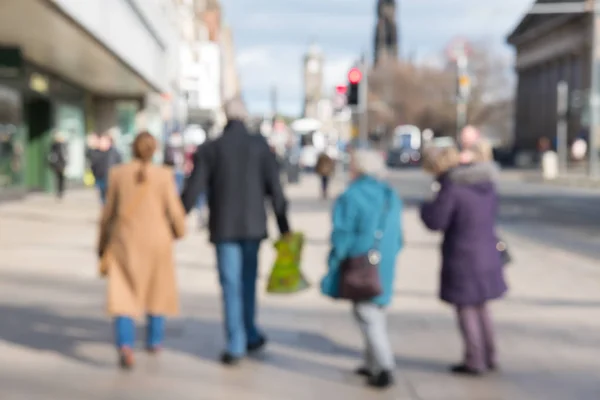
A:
238, 171
102, 159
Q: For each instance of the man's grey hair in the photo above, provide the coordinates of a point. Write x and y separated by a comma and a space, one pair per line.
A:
369, 162
235, 109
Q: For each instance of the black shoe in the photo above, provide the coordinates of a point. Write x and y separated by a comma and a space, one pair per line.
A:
229, 359
363, 371
259, 345
462, 369
381, 380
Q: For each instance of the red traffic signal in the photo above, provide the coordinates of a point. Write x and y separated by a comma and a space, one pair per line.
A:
341, 89
354, 76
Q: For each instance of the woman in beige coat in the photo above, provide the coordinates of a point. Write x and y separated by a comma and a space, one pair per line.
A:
142, 217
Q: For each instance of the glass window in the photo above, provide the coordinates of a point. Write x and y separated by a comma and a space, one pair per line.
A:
126, 114
11, 156
12, 140
71, 123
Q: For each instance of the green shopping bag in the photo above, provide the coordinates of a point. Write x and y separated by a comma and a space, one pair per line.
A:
286, 276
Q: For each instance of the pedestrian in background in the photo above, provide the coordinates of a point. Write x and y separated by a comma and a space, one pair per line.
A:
239, 172
102, 159
175, 157
325, 169
58, 157
357, 215
465, 208
190, 153
141, 219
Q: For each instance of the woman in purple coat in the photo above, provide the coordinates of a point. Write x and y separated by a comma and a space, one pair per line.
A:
464, 209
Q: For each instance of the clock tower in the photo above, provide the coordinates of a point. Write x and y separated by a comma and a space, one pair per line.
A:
313, 81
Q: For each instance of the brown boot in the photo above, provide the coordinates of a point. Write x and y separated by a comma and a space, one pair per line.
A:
126, 357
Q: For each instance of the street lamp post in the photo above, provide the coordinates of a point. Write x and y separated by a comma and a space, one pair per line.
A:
364, 99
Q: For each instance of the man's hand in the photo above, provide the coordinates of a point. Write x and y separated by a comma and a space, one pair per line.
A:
286, 236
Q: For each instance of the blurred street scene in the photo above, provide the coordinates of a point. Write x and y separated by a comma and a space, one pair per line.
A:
152, 141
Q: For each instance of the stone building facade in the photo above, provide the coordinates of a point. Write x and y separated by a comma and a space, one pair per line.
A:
549, 49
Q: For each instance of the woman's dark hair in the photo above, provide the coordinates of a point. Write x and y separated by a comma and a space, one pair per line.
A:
144, 147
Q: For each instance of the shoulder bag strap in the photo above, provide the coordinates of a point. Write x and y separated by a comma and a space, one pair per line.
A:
382, 221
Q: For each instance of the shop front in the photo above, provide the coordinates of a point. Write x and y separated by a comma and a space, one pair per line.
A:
36, 105
53, 106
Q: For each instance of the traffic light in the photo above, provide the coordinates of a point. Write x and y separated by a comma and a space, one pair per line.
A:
353, 93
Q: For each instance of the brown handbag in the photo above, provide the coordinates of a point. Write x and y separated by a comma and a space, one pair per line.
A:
107, 256
359, 277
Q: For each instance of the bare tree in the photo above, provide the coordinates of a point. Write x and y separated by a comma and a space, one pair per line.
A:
426, 96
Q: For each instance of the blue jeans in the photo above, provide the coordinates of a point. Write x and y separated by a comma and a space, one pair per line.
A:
180, 180
101, 186
125, 331
238, 264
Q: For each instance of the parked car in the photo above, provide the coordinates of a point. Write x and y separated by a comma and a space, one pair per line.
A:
403, 157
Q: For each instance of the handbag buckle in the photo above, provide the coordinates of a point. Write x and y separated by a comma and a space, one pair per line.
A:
374, 257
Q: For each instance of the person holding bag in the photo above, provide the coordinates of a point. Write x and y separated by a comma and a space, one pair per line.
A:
142, 217
365, 241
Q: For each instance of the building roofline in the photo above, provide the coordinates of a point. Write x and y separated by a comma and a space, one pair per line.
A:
528, 28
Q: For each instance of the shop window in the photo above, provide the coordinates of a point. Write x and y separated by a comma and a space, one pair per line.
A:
11, 156
12, 140
71, 123
126, 115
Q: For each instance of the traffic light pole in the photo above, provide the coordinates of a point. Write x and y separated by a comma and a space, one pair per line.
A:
461, 94
363, 100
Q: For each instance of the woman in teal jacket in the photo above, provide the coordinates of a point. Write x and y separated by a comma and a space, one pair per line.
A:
357, 215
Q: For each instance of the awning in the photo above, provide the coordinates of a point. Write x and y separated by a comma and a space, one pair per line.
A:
51, 40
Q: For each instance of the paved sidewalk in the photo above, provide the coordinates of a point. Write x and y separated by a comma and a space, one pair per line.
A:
55, 342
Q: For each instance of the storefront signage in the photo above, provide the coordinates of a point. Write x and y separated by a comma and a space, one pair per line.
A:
38, 83
11, 62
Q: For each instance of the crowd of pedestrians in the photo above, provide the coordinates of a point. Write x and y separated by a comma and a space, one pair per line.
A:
143, 215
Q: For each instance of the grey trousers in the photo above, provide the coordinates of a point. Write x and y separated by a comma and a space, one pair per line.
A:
478, 335
378, 350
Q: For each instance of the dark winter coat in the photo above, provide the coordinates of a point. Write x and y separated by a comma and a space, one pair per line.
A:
58, 156
102, 161
465, 209
238, 171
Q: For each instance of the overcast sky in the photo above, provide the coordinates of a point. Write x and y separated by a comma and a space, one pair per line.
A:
271, 37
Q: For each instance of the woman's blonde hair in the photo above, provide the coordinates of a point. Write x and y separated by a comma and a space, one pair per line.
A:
482, 151
438, 160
